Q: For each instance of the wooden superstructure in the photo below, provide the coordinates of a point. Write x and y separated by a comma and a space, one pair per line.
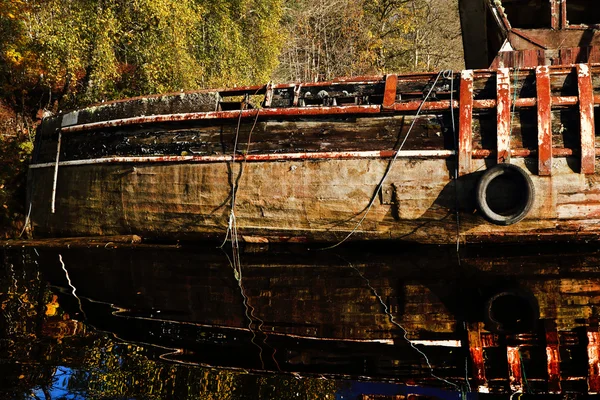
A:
518, 33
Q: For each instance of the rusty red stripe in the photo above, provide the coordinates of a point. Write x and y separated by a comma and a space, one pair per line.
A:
544, 121
465, 131
342, 155
264, 112
586, 112
389, 94
503, 115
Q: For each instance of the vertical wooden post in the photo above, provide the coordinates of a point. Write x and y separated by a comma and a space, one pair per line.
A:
586, 113
544, 120
555, 13
563, 14
465, 130
552, 356
503, 114
389, 94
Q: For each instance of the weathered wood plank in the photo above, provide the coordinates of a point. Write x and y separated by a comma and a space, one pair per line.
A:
503, 114
586, 111
544, 121
465, 131
389, 96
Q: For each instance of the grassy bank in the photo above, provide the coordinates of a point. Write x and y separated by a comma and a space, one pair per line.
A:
16, 144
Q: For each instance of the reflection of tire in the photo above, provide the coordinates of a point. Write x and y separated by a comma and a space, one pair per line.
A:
511, 311
505, 194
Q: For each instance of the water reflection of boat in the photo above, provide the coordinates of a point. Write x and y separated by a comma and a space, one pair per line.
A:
510, 322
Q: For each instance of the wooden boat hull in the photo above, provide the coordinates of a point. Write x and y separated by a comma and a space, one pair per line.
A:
409, 168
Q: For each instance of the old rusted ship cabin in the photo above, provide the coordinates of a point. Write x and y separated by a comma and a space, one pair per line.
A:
506, 153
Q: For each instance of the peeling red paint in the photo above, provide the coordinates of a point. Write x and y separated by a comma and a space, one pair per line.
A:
293, 112
586, 112
465, 132
503, 115
544, 121
389, 94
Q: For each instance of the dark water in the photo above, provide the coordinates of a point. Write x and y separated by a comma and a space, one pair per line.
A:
383, 322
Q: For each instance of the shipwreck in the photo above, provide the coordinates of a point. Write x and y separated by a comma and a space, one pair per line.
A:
508, 152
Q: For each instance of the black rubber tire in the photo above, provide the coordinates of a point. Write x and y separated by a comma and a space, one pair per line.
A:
519, 177
511, 311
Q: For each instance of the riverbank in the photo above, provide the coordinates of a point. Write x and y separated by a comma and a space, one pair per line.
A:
17, 133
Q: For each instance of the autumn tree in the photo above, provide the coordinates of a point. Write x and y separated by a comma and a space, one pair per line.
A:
329, 38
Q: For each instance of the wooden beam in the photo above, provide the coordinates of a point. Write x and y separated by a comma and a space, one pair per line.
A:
389, 94
465, 131
586, 113
544, 120
503, 114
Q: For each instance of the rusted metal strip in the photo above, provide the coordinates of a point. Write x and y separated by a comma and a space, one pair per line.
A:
389, 94
503, 115
586, 112
290, 112
259, 157
465, 131
593, 351
544, 120
552, 356
532, 102
55, 181
515, 378
435, 154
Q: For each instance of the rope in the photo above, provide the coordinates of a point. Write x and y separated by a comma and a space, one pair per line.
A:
392, 320
389, 168
449, 74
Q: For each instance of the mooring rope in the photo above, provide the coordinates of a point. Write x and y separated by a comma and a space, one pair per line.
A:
389, 167
393, 321
232, 232
64, 268
449, 74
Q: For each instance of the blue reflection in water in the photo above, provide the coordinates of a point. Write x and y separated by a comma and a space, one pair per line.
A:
60, 386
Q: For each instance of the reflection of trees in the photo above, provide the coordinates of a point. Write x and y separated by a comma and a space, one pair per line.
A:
45, 354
